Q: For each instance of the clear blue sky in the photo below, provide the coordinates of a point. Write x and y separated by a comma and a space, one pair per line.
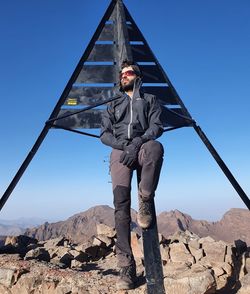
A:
204, 46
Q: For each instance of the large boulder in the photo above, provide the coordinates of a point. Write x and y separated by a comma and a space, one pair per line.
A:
197, 280
38, 253
215, 251
179, 253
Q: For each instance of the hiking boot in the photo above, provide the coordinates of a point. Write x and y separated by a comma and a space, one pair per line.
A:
127, 278
145, 213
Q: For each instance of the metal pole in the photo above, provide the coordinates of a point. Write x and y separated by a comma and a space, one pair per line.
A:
223, 166
152, 254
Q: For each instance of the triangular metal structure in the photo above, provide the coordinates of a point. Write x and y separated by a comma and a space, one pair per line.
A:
95, 79
94, 82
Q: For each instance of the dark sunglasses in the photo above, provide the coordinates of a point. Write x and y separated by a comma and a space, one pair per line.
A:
127, 74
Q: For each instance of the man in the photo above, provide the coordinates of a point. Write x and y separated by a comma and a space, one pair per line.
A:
130, 126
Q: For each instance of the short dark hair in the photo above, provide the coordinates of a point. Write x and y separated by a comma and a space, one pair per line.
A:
134, 65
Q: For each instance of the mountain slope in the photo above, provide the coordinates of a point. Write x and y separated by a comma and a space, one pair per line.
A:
79, 227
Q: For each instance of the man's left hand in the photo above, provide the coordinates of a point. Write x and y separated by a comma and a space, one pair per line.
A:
130, 153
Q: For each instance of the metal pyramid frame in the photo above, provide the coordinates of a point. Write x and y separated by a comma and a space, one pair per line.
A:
94, 83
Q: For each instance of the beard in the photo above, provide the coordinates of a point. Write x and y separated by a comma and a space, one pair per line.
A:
129, 86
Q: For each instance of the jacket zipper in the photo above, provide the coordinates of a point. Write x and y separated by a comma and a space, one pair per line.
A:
131, 118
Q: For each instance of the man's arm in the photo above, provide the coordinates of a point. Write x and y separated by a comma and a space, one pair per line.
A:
106, 135
155, 129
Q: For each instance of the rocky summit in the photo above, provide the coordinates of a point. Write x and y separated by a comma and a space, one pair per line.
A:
191, 264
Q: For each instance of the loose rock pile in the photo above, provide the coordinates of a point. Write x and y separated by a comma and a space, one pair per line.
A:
61, 251
202, 265
191, 265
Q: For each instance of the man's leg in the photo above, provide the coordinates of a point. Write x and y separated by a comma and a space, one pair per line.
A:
121, 182
150, 161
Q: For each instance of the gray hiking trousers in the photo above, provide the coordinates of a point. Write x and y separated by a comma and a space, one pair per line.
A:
148, 167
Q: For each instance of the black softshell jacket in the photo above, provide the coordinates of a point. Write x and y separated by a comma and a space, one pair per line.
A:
127, 118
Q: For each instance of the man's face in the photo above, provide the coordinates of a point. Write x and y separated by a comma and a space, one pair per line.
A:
127, 78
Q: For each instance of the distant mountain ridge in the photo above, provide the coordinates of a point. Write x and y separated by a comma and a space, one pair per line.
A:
80, 227
18, 226
233, 225
9, 230
23, 222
